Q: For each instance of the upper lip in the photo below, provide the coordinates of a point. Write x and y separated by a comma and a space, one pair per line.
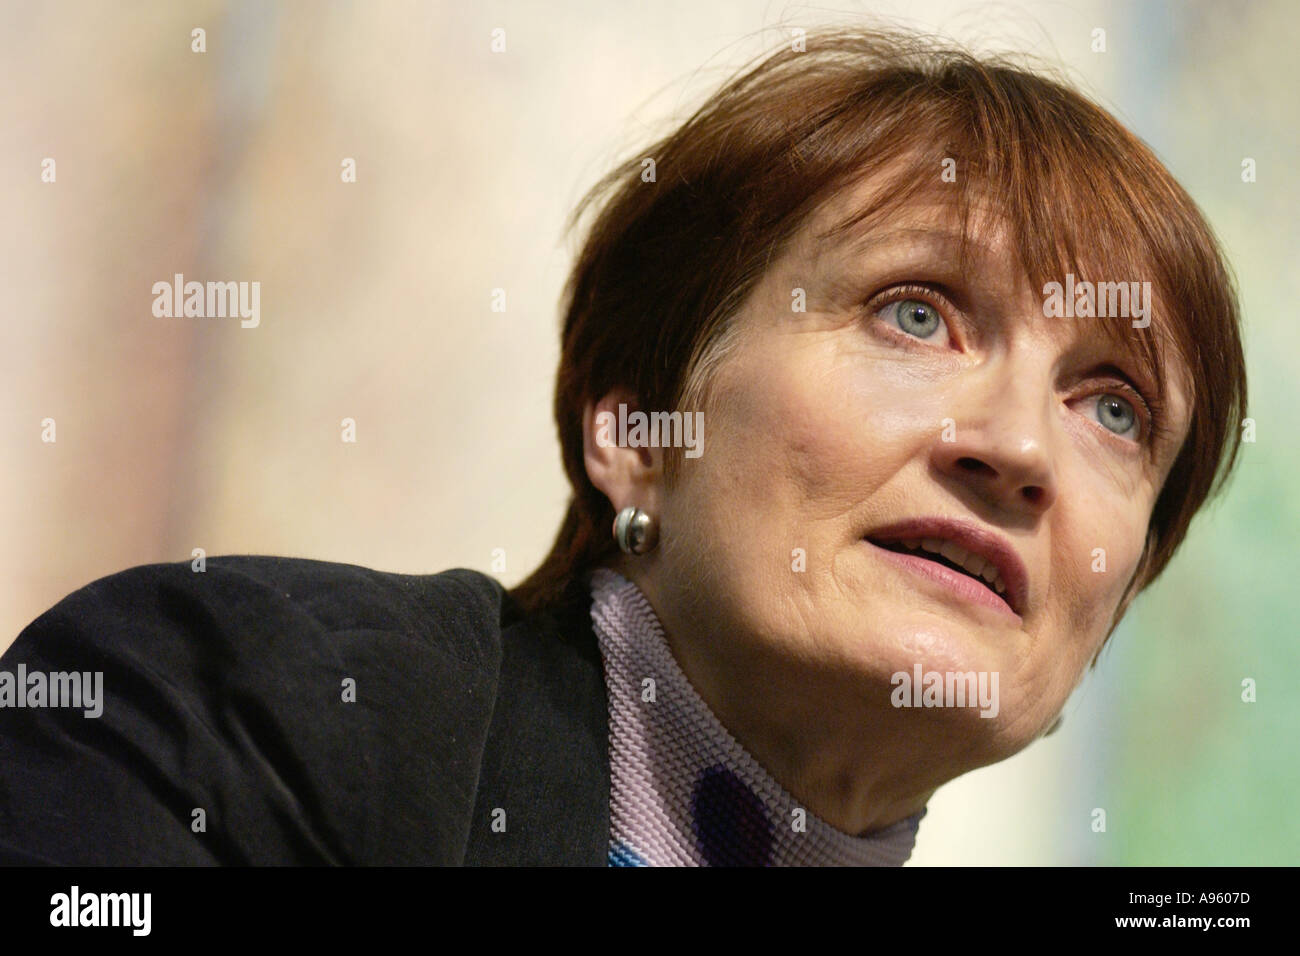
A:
989, 545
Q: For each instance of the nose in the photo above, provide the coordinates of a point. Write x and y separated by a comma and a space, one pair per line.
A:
999, 446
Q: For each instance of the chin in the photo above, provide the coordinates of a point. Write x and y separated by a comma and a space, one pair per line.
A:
910, 629
934, 665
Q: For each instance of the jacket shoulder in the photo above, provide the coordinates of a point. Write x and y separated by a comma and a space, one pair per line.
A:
264, 709
459, 607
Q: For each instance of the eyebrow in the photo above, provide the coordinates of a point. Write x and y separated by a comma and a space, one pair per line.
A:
860, 238
932, 249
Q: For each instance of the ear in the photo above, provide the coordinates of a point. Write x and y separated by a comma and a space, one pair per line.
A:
626, 475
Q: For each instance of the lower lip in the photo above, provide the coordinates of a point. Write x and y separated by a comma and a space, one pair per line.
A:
954, 581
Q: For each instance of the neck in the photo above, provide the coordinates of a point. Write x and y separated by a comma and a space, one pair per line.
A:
829, 736
816, 737
699, 746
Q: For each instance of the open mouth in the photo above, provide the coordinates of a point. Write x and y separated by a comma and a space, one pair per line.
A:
986, 582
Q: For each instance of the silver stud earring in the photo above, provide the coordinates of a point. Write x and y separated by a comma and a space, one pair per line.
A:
635, 531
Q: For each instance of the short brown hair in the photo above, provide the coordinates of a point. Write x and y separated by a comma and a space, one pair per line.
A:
668, 262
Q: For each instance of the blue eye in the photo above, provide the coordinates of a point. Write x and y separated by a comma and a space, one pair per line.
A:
1116, 414
915, 317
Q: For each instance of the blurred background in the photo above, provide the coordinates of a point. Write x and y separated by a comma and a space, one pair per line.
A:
377, 305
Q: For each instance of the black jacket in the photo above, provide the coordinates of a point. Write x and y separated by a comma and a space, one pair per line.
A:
477, 735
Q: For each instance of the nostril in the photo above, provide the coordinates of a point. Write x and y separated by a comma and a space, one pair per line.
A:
1033, 494
975, 466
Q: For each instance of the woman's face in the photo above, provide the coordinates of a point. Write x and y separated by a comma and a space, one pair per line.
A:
908, 391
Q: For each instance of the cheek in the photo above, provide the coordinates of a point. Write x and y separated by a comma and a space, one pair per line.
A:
792, 449
1097, 552
822, 428
801, 434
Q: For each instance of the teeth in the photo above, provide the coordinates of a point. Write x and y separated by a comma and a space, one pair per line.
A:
952, 552
958, 555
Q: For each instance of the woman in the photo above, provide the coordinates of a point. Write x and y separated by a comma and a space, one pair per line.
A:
887, 381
